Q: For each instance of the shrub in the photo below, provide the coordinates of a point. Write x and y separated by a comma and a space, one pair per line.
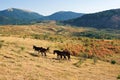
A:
51, 38
118, 76
24, 36
78, 64
22, 48
85, 55
36, 36
113, 61
1, 43
95, 59
45, 36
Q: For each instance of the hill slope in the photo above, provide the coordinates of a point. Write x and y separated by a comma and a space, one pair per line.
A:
105, 19
18, 60
17, 16
62, 15
24, 64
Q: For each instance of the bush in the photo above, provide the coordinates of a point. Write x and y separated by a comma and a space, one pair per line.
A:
24, 36
118, 76
113, 61
22, 48
95, 59
1, 43
36, 36
78, 64
85, 55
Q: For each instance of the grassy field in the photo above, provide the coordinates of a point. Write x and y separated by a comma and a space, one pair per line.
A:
18, 61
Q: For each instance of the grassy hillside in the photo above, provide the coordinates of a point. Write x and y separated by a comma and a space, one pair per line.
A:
20, 62
108, 19
92, 59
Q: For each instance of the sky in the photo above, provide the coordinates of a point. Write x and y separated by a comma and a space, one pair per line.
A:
47, 7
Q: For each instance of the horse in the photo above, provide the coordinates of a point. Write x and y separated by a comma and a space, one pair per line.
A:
63, 53
67, 53
43, 51
59, 54
37, 48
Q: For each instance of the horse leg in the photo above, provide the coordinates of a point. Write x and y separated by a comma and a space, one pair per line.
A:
42, 53
45, 53
57, 56
64, 56
60, 56
34, 51
68, 57
38, 52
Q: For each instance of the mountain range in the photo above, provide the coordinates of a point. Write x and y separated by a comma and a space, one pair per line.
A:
21, 16
62, 15
104, 19
17, 16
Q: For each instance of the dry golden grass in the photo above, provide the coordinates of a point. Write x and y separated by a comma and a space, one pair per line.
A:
20, 30
17, 63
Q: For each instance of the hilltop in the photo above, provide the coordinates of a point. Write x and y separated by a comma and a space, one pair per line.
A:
102, 20
22, 16
17, 16
62, 15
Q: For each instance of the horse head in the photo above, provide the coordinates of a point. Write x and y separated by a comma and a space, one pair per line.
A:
54, 51
34, 46
48, 48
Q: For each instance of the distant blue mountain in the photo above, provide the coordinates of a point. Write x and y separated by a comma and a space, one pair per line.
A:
17, 16
62, 15
104, 19
21, 16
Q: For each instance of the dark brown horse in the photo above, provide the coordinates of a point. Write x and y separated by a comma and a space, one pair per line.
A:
41, 49
67, 53
37, 48
61, 54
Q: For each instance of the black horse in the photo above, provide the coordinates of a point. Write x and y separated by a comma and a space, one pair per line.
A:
41, 49
61, 54
37, 48
67, 53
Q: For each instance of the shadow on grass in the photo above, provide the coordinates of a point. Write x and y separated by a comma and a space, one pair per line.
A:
55, 59
8, 57
33, 54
